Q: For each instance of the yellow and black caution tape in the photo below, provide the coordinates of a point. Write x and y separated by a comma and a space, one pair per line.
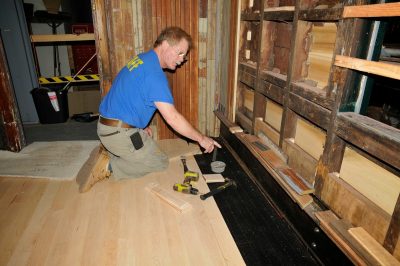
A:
66, 79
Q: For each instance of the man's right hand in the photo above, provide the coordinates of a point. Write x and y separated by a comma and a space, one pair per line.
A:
208, 144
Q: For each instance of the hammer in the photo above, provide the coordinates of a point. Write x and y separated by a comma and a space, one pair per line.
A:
228, 183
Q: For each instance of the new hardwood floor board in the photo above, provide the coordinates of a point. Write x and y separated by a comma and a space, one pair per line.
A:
93, 240
40, 230
115, 223
67, 247
16, 215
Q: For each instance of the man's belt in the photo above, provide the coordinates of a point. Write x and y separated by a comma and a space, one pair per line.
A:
114, 122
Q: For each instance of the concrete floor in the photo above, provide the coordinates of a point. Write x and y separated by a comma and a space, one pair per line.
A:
70, 130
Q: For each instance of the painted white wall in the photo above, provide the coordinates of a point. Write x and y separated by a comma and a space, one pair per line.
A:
45, 53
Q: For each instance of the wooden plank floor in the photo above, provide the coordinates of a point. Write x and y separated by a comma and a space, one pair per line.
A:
46, 222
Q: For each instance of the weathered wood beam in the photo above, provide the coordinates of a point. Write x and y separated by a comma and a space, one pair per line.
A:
280, 13
370, 135
250, 17
63, 37
329, 14
312, 93
247, 79
376, 10
312, 111
271, 91
274, 78
377, 68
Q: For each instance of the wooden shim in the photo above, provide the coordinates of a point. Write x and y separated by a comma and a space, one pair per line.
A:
273, 115
260, 126
295, 181
213, 178
300, 161
310, 138
374, 248
374, 182
377, 68
302, 200
235, 129
349, 204
341, 228
166, 196
325, 218
375, 10
63, 37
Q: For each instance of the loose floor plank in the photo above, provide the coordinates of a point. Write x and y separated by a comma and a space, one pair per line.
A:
373, 247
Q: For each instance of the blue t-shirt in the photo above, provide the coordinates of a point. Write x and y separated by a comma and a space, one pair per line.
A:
135, 89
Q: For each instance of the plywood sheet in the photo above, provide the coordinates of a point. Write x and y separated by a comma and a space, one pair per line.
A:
273, 115
310, 138
371, 180
48, 159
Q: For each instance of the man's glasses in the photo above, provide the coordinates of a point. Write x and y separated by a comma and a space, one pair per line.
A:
182, 54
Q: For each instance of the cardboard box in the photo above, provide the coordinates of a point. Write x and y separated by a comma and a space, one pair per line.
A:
83, 101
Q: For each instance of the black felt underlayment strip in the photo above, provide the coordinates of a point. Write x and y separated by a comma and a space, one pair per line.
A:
261, 234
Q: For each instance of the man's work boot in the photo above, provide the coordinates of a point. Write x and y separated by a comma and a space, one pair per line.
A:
95, 169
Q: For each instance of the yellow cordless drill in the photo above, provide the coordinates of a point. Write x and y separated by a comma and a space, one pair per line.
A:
186, 188
190, 177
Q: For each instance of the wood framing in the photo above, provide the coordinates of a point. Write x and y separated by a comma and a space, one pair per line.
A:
375, 10
303, 57
377, 68
63, 38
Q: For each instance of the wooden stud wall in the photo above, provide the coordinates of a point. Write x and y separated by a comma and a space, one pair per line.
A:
123, 29
299, 62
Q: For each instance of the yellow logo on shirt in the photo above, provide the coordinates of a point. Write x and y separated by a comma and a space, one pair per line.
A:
134, 63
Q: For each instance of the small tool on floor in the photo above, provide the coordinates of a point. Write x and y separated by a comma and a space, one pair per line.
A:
228, 183
188, 175
185, 188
